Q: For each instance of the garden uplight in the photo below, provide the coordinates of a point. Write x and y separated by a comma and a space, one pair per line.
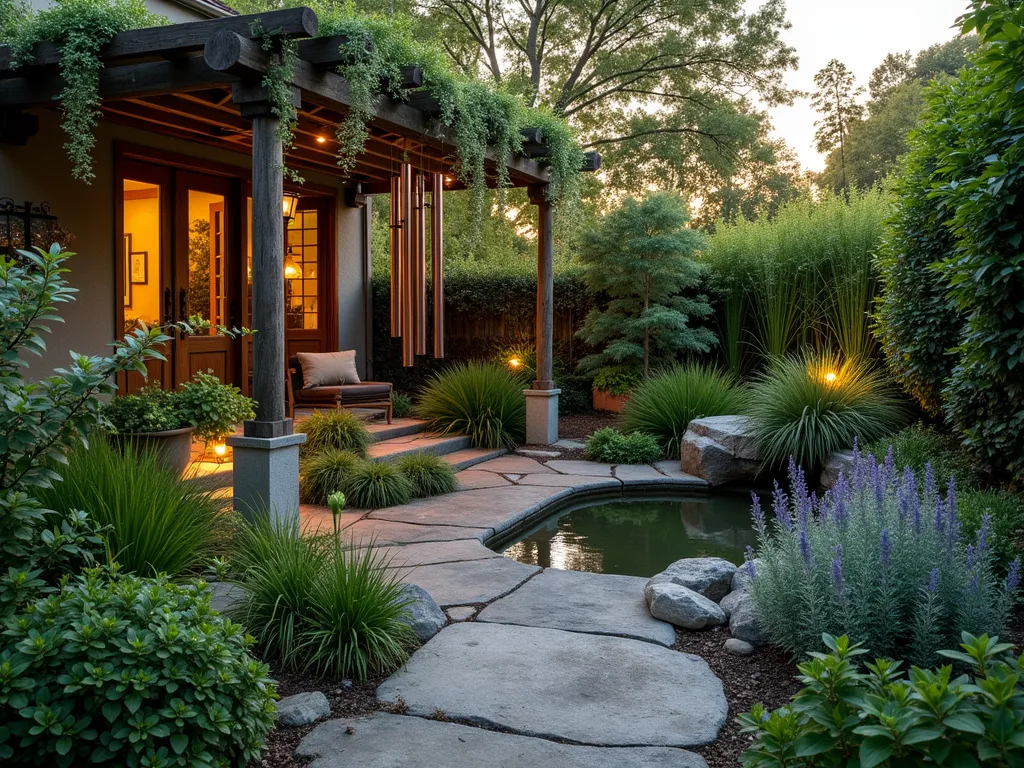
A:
220, 448
830, 377
515, 362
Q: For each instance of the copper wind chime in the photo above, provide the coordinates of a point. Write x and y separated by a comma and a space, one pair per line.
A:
409, 260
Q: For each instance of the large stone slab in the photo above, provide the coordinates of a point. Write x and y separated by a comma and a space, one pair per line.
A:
575, 482
475, 479
465, 583
516, 465
495, 508
576, 601
581, 468
670, 469
395, 741
431, 553
383, 532
591, 689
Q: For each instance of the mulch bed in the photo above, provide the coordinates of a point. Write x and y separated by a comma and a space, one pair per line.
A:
583, 426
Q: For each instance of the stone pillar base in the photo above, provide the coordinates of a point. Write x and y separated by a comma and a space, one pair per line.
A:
541, 416
266, 476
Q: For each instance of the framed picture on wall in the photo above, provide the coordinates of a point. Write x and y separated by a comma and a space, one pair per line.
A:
127, 269
139, 264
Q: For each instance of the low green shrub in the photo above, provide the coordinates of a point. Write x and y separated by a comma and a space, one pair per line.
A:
120, 670
334, 428
612, 447
480, 400
617, 379
917, 446
845, 716
151, 409
377, 484
576, 396
401, 405
157, 522
325, 472
876, 559
214, 408
808, 406
319, 607
1005, 511
664, 404
430, 475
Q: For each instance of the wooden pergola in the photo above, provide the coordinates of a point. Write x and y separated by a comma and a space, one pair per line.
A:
202, 81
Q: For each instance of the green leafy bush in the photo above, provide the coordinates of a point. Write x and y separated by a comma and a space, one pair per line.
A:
118, 670
480, 400
885, 716
156, 521
611, 446
334, 429
325, 472
401, 405
617, 379
214, 409
878, 558
377, 484
1005, 511
664, 404
430, 475
151, 409
576, 396
808, 406
319, 607
917, 446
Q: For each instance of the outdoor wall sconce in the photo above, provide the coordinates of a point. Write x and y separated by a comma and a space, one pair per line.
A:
290, 201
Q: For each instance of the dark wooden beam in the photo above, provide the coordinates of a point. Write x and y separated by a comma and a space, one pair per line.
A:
227, 51
532, 135
425, 102
177, 39
326, 51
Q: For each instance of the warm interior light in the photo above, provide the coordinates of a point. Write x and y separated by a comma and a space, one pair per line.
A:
321, 139
515, 362
447, 179
220, 448
830, 377
289, 202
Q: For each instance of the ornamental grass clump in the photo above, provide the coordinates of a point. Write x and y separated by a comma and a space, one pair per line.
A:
377, 484
324, 473
430, 475
664, 405
334, 429
880, 558
481, 400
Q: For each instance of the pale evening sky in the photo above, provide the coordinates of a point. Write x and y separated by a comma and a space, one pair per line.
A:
859, 34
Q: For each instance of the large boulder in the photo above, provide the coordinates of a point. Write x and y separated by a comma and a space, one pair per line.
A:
839, 462
302, 709
729, 602
424, 615
720, 449
710, 576
682, 607
741, 579
743, 622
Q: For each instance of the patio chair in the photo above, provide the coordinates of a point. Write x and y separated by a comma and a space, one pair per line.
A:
372, 395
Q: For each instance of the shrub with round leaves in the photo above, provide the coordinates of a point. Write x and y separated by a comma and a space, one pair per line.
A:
611, 446
120, 670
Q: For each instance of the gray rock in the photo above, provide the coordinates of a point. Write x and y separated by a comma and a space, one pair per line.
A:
734, 433
743, 622
601, 604
591, 689
393, 741
740, 579
461, 612
682, 607
729, 602
740, 648
302, 709
226, 597
425, 616
711, 576
840, 462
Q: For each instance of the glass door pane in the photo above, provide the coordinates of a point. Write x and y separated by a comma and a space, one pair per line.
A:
301, 272
141, 254
207, 258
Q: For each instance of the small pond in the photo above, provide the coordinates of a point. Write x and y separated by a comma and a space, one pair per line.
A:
638, 537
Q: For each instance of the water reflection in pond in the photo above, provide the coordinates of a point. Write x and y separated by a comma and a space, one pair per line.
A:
638, 537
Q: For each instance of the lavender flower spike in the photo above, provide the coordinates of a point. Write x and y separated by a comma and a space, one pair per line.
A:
805, 546
756, 511
929, 481
933, 581
1013, 576
780, 506
748, 565
885, 547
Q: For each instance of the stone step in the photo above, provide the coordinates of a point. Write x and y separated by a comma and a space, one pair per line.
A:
411, 445
470, 457
381, 430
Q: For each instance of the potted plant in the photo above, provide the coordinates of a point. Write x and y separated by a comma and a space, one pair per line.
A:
612, 387
150, 420
166, 422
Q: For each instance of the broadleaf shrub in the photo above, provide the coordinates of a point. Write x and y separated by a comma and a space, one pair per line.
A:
611, 446
119, 670
808, 406
1005, 511
664, 404
336, 429
885, 715
880, 557
917, 446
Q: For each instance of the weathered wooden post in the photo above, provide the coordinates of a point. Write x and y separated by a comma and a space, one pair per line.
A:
542, 397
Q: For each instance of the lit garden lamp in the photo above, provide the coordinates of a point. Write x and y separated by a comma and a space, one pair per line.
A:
831, 377
220, 450
289, 204
515, 363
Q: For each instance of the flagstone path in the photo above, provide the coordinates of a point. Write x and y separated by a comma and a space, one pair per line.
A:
539, 668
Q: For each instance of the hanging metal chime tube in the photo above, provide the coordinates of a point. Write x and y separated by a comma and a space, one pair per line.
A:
420, 299
396, 256
437, 258
408, 269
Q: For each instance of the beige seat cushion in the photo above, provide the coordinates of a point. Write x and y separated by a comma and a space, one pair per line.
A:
328, 369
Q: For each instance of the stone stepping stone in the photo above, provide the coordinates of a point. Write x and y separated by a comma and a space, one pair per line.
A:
520, 465
581, 468
474, 581
638, 472
474, 479
601, 604
394, 741
590, 689
431, 553
571, 481
388, 532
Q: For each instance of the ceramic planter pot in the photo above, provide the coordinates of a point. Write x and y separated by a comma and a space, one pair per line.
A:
172, 447
606, 401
